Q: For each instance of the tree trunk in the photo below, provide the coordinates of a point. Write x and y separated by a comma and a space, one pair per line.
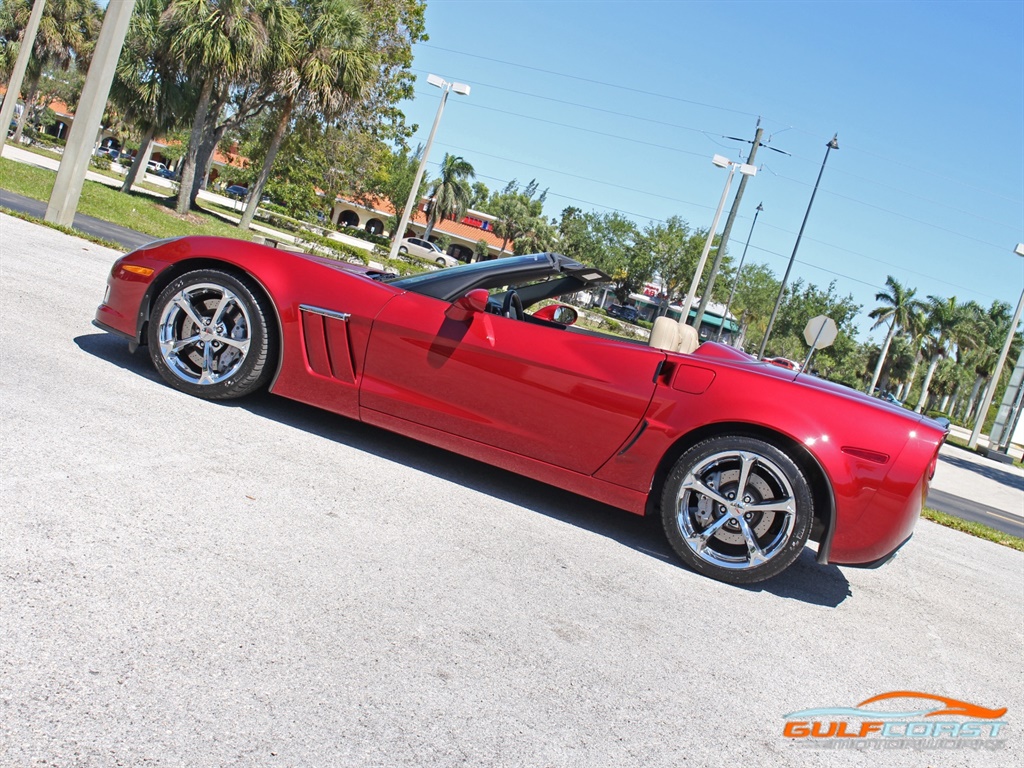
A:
204, 160
927, 383
973, 399
195, 138
30, 98
256, 193
431, 219
881, 356
913, 375
141, 160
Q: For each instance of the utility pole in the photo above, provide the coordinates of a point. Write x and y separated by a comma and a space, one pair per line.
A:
717, 263
67, 187
28, 42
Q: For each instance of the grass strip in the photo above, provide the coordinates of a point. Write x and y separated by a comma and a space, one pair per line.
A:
974, 529
154, 216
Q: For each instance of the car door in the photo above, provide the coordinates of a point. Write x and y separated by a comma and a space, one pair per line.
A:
552, 394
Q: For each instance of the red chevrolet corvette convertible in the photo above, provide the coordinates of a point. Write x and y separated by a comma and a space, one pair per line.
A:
744, 461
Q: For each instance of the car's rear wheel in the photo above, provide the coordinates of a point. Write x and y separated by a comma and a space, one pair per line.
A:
209, 335
402, 249
737, 509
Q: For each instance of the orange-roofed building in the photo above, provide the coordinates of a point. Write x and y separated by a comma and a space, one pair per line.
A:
463, 234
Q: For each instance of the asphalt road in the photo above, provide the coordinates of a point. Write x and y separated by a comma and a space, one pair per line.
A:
976, 512
184, 583
114, 233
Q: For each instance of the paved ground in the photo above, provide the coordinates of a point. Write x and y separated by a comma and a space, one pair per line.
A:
190, 584
976, 488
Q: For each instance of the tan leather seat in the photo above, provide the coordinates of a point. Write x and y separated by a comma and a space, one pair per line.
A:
669, 335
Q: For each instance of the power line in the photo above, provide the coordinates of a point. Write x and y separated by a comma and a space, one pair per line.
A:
781, 176
589, 80
724, 109
585, 130
592, 108
875, 286
895, 213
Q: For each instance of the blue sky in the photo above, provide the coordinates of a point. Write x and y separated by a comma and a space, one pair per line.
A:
620, 106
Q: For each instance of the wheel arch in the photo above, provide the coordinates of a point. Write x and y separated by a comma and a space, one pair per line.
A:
176, 270
824, 501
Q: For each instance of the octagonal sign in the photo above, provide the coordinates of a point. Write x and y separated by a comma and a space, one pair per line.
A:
820, 332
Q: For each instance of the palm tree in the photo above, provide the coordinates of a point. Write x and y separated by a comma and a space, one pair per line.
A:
982, 359
516, 210
325, 68
67, 33
898, 305
943, 315
147, 88
215, 40
451, 192
916, 331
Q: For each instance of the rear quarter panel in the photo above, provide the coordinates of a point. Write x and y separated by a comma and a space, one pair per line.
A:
874, 457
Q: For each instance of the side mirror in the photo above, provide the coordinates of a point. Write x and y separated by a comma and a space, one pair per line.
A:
565, 315
558, 313
464, 307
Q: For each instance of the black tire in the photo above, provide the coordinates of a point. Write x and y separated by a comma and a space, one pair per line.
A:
402, 249
441, 263
209, 335
738, 538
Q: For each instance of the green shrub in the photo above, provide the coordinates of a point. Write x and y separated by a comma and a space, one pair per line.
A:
362, 234
325, 246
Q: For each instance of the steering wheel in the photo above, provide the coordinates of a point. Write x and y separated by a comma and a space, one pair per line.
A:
512, 306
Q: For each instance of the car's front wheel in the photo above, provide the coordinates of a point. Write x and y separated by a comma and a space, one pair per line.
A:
209, 335
737, 509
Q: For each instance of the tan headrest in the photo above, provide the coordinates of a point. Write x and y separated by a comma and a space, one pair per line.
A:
669, 335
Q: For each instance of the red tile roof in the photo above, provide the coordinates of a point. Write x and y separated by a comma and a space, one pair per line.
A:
447, 226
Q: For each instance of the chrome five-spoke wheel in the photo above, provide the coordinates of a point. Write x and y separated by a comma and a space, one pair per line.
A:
208, 335
737, 509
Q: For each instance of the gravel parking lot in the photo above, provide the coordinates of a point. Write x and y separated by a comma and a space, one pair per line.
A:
185, 583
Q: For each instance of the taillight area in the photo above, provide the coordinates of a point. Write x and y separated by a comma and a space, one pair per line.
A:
933, 464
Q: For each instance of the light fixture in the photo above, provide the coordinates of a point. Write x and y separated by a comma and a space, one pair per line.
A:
463, 90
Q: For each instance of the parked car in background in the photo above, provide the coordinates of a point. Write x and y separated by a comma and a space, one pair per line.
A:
154, 166
782, 362
237, 190
166, 173
743, 462
427, 250
629, 314
889, 397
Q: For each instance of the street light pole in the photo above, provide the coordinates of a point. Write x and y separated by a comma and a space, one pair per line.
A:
721, 162
991, 389
463, 90
736, 280
723, 241
834, 144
